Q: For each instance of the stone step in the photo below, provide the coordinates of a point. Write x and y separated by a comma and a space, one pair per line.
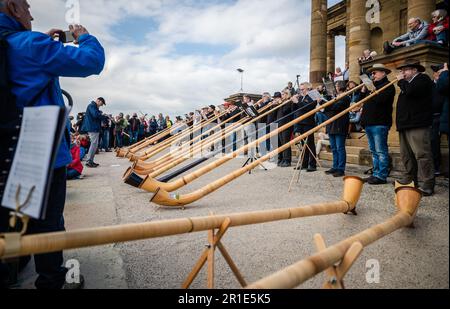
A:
351, 158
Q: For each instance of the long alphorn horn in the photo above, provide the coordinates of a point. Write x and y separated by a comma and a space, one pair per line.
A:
122, 152
54, 242
163, 198
144, 167
408, 200
167, 143
151, 185
161, 167
133, 175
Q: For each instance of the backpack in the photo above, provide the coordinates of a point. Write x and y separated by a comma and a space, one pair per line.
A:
10, 116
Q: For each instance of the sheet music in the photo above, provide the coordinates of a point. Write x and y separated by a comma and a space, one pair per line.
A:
368, 82
32, 160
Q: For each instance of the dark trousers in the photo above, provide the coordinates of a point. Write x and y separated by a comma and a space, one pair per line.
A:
309, 160
52, 274
415, 150
284, 138
436, 143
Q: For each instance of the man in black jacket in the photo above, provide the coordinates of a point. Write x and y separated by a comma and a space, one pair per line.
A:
377, 120
414, 121
303, 105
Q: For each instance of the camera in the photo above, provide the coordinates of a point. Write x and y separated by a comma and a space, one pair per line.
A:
66, 37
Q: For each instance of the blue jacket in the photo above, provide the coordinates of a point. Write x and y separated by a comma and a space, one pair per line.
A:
93, 120
36, 61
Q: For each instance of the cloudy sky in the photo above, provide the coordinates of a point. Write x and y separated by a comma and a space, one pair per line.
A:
173, 56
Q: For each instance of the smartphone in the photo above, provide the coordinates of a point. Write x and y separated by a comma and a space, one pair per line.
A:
66, 37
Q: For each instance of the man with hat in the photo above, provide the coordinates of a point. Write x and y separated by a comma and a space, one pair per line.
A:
414, 121
376, 118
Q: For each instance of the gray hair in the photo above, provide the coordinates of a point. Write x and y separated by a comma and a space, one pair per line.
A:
437, 13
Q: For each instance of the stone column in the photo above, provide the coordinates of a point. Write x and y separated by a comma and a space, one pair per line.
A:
319, 20
331, 52
359, 36
421, 9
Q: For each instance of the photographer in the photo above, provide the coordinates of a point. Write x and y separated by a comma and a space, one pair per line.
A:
34, 62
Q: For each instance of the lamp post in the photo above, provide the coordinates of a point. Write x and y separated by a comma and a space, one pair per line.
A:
242, 79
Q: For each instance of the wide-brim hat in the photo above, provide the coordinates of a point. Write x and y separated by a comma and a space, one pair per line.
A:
379, 67
412, 63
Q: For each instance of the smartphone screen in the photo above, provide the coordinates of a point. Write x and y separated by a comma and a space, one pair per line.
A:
66, 37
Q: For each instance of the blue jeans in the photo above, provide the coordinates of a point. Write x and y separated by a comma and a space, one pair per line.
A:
378, 143
321, 118
105, 140
134, 137
337, 143
119, 140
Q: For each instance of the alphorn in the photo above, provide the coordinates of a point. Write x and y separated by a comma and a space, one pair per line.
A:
145, 168
54, 242
167, 143
133, 178
151, 185
164, 198
408, 200
167, 165
122, 152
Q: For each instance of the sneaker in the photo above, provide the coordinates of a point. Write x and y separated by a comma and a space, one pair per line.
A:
339, 174
91, 165
376, 181
74, 286
331, 171
96, 165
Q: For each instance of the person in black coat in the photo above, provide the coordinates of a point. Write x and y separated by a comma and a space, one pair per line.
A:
338, 131
414, 121
285, 157
376, 119
303, 105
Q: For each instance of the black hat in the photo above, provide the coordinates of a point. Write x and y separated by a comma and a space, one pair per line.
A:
437, 68
277, 95
412, 63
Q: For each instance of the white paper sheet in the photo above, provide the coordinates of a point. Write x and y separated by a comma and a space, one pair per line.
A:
32, 160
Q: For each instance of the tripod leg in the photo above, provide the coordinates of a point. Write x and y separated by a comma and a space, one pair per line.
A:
297, 169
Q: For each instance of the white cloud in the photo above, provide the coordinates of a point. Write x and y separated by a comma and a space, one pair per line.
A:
269, 39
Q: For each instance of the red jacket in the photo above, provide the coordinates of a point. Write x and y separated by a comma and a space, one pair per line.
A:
431, 35
76, 162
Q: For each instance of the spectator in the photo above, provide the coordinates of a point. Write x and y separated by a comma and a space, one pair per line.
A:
143, 128
377, 121
34, 69
152, 126
290, 88
121, 125
438, 29
75, 168
414, 121
418, 30
92, 125
134, 128
162, 124
105, 133
365, 57
338, 131
338, 75
355, 115
169, 122
346, 72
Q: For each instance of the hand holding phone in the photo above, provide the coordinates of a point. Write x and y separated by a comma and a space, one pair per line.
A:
66, 37
77, 31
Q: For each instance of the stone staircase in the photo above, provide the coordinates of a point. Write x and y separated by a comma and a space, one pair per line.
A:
358, 153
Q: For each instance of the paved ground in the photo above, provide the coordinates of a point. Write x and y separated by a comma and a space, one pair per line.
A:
409, 258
